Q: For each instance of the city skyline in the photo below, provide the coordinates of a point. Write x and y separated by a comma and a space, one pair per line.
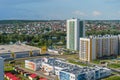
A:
59, 9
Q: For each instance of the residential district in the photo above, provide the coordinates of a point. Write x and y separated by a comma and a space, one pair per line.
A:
87, 55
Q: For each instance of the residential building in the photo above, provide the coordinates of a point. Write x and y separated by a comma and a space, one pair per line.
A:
75, 30
95, 47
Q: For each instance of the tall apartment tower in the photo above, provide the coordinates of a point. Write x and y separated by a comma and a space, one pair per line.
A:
75, 30
97, 47
1, 68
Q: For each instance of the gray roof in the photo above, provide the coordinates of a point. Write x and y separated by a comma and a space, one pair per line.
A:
77, 70
59, 63
17, 48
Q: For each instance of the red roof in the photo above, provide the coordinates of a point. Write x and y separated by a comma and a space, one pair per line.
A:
43, 79
11, 76
15, 78
8, 74
33, 75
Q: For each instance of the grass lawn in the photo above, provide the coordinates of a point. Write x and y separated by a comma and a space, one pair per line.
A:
78, 63
96, 61
113, 65
8, 67
20, 63
5, 79
112, 78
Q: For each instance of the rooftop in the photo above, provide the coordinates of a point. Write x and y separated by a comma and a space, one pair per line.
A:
67, 67
16, 48
59, 63
104, 36
77, 70
39, 60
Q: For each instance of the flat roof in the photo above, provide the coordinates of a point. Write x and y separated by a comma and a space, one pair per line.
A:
16, 48
54, 62
59, 63
68, 67
39, 60
82, 70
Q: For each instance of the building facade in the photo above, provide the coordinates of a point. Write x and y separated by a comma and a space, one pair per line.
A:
75, 30
77, 73
33, 64
67, 71
97, 47
1, 68
18, 51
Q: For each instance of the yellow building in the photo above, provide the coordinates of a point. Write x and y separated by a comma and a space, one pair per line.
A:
98, 46
43, 50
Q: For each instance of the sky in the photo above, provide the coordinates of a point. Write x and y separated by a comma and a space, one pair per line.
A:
59, 9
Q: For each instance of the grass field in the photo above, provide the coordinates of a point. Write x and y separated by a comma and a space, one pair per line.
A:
77, 63
114, 65
113, 78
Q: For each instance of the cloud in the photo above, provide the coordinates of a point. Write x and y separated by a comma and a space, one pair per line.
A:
96, 13
79, 13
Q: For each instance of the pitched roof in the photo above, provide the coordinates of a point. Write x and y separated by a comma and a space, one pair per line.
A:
43, 79
33, 75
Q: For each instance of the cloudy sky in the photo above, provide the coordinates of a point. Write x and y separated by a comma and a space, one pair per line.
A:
59, 9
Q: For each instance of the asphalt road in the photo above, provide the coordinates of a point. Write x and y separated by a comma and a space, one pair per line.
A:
40, 73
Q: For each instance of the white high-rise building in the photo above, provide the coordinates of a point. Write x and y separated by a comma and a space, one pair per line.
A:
75, 30
97, 47
1, 68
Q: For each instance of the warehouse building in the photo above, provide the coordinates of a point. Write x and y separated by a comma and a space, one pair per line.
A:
18, 51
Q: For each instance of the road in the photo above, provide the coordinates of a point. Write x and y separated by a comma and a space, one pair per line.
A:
115, 70
67, 57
